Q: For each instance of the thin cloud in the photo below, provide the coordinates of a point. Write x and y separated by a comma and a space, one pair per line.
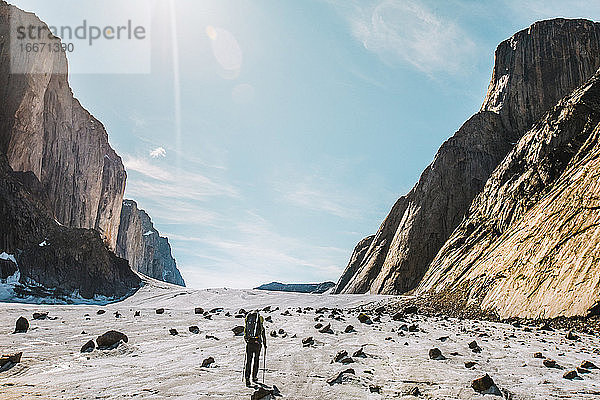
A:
409, 33
158, 152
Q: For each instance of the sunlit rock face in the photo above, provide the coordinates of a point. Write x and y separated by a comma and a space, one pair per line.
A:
45, 130
140, 243
533, 70
530, 242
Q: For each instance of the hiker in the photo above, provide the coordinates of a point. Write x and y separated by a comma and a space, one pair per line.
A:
254, 334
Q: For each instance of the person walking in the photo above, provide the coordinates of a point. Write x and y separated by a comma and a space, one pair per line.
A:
254, 335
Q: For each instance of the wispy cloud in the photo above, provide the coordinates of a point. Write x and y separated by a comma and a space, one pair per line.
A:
158, 152
408, 32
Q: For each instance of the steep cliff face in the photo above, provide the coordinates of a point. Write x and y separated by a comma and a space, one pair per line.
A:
533, 70
529, 245
59, 260
140, 243
44, 129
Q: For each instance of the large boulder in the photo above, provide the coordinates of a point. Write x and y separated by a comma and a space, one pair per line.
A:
111, 339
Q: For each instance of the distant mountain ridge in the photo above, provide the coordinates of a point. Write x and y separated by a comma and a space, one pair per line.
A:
317, 288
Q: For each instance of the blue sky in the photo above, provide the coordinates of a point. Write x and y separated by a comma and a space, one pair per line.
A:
271, 136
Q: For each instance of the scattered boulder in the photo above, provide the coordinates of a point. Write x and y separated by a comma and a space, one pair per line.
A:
485, 385
194, 329
570, 375
583, 370
550, 363
359, 353
110, 339
242, 311
414, 392
173, 332
538, 354
281, 331
262, 394
137, 314
88, 347
308, 341
9, 360
411, 310
212, 337
349, 329
436, 354
100, 312
572, 336
470, 364
326, 329
347, 360
474, 347
238, 330
413, 328
269, 319
273, 334
588, 365
160, 311
318, 326
117, 314
340, 356
22, 325
216, 310
379, 310
374, 388
207, 362
341, 377
40, 315
198, 310
398, 316
364, 319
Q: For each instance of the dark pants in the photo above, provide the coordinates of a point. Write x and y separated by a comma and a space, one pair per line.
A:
252, 359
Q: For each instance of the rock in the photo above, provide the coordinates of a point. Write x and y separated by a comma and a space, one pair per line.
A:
40, 315
117, 314
281, 331
588, 365
238, 330
340, 356
359, 353
364, 319
470, 364
326, 329
572, 336
88, 347
349, 329
160, 311
411, 310
273, 334
194, 329
269, 319
22, 325
140, 243
347, 360
583, 370
100, 312
398, 316
550, 363
216, 310
262, 394
173, 332
8, 361
7, 269
374, 388
538, 355
485, 385
198, 310
474, 347
413, 328
308, 341
570, 374
436, 354
380, 310
242, 311
318, 326
207, 362
110, 339
414, 392
341, 377
212, 337
137, 314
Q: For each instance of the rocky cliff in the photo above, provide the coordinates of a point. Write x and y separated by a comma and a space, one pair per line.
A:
45, 130
530, 243
140, 243
49, 259
533, 70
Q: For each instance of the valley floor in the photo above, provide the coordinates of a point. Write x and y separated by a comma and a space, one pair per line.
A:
157, 365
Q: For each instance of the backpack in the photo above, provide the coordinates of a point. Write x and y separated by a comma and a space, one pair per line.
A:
253, 328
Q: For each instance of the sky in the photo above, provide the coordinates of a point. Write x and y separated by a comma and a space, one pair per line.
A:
266, 138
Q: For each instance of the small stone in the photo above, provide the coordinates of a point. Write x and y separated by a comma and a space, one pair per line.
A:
340, 356
281, 331
374, 388
326, 329
100, 312
238, 330
207, 362
160, 311
273, 334
8, 361
411, 310
570, 374
40, 315
583, 370
485, 385
538, 355
198, 310
318, 326
470, 364
413, 328
341, 377
550, 363
194, 329
436, 354
474, 347
414, 392
572, 336
137, 314
308, 341
349, 329
173, 332
359, 353
22, 325
88, 347
110, 339
588, 365
364, 319
347, 360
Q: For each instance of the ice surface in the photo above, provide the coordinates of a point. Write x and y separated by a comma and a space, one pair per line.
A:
156, 365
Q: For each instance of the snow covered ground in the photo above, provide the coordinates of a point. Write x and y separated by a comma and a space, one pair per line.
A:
157, 365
